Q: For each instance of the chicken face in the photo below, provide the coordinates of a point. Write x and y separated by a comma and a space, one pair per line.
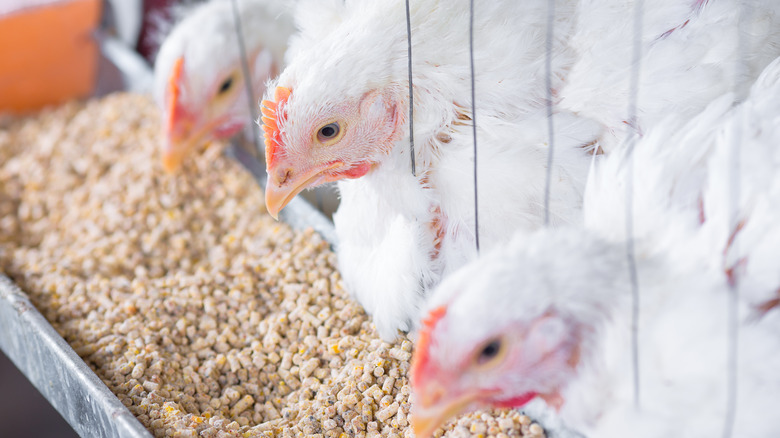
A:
194, 116
507, 366
308, 145
520, 322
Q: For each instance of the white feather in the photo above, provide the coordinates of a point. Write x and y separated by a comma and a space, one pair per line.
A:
362, 46
581, 275
347, 49
206, 39
688, 57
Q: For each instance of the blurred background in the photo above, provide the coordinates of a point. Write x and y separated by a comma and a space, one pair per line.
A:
57, 45
52, 51
23, 410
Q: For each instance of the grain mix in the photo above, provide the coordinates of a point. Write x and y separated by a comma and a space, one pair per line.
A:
200, 312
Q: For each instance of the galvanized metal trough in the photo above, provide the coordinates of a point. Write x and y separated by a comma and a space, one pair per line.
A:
49, 362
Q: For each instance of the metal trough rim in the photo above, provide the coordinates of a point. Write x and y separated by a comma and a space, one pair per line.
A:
55, 369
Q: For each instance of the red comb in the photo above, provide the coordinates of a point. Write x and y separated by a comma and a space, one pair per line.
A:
422, 354
174, 91
273, 115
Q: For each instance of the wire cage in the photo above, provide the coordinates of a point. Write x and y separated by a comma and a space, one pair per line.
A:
92, 410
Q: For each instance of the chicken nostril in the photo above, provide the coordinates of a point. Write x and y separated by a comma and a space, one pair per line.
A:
283, 175
433, 395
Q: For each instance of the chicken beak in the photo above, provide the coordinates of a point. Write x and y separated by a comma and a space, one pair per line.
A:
181, 132
284, 182
436, 407
180, 137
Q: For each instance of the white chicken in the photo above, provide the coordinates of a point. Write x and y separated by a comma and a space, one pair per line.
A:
548, 316
340, 113
199, 82
687, 52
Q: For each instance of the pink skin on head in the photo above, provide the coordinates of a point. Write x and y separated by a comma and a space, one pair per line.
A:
299, 156
228, 128
515, 402
357, 171
188, 126
541, 353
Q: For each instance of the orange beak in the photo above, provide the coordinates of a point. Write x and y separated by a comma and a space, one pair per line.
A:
284, 182
182, 133
176, 126
178, 143
435, 407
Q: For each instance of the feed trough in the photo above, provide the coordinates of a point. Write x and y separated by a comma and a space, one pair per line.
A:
251, 334
44, 357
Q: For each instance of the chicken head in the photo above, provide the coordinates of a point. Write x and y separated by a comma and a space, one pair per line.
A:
324, 143
207, 104
517, 324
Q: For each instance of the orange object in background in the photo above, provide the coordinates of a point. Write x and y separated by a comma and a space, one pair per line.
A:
48, 54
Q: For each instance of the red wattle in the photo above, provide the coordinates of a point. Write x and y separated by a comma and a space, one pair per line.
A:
356, 171
516, 402
228, 130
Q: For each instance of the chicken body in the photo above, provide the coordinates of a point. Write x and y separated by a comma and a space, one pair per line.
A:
549, 315
399, 233
341, 114
690, 52
199, 80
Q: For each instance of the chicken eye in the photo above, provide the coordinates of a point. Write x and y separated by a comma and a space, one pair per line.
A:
328, 132
226, 85
489, 352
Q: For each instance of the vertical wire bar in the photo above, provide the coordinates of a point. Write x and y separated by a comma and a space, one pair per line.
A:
411, 88
732, 383
247, 80
550, 127
318, 199
733, 295
633, 124
474, 122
